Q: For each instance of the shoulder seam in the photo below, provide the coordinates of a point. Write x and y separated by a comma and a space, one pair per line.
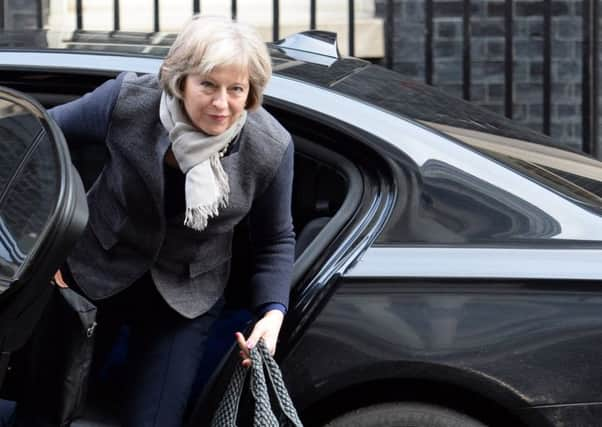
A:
134, 83
282, 132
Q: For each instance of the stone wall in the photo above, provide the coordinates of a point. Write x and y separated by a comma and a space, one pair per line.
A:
487, 56
23, 14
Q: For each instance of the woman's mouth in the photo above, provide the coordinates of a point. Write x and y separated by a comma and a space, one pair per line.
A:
218, 118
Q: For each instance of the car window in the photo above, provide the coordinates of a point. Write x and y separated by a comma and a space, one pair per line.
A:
18, 130
568, 172
43, 211
29, 185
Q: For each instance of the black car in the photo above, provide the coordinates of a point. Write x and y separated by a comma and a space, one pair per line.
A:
448, 268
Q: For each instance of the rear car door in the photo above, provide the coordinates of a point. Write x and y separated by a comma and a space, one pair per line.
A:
43, 211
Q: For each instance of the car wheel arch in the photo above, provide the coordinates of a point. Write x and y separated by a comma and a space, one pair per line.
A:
447, 393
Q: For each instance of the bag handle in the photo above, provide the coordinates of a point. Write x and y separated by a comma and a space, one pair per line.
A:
226, 413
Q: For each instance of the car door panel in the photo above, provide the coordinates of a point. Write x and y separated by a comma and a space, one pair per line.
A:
43, 211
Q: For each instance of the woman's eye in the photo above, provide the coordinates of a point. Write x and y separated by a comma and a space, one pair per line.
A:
206, 83
238, 89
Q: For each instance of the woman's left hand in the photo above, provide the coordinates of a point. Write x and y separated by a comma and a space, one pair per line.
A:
267, 328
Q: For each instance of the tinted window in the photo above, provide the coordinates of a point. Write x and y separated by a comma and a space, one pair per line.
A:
29, 201
573, 174
18, 130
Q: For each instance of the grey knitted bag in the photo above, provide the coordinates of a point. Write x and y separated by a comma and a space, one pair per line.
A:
263, 415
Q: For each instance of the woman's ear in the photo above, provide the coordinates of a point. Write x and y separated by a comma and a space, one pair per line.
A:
180, 84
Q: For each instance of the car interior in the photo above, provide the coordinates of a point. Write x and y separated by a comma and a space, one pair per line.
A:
327, 191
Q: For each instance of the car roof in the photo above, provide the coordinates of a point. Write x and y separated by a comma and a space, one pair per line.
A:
353, 77
306, 66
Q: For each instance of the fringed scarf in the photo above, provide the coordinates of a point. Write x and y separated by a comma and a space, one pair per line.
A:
198, 156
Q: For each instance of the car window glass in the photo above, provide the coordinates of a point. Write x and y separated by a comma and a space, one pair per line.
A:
571, 173
31, 197
18, 129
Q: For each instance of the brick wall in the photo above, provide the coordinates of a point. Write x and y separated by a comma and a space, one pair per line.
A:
487, 56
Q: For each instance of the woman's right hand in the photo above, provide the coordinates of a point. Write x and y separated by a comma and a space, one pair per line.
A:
58, 280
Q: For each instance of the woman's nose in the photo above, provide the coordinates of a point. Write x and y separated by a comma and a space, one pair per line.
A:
219, 100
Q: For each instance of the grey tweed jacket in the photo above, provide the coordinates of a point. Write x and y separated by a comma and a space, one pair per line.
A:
128, 233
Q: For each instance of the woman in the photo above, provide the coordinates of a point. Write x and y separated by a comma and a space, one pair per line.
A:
191, 153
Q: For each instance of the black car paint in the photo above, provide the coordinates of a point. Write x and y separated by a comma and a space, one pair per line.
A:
520, 343
524, 350
512, 342
26, 290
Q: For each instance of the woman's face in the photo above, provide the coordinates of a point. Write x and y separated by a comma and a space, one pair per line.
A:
213, 102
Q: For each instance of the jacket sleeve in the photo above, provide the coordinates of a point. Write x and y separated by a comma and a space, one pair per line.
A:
86, 120
273, 239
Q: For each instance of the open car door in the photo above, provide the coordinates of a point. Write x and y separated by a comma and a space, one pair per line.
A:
43, 211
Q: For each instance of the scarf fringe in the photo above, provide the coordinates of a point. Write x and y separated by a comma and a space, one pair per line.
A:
197, 217
221, 178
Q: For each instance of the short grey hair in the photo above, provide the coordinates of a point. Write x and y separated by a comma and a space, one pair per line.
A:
207, 42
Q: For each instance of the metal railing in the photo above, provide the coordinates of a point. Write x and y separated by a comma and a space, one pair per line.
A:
197, 8
590, 61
